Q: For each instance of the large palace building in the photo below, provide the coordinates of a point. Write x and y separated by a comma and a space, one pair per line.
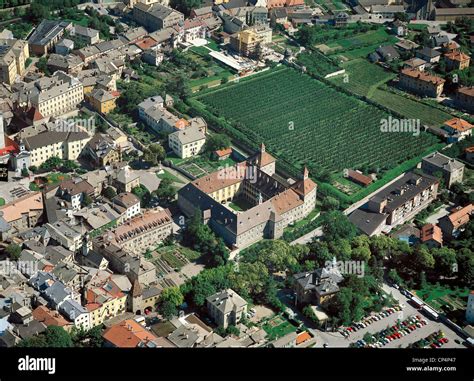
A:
248, 202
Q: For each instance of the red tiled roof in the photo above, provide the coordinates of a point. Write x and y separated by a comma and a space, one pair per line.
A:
462, 216
302, 337
459, 124
457, 56
128, 334
223, 152
146, 43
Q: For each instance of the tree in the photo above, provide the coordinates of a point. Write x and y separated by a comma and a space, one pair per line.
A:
216, 142
54, 162
336, 225
154, 154
42, 65
445, 261
394, 277
37, 12
233, 330
24, 172
143, 194
14, 251
68, 166
166, 192
109, 192
422, 259
52, 337
330, 203
172, 295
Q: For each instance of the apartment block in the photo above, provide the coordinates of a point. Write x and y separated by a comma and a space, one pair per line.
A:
13, 55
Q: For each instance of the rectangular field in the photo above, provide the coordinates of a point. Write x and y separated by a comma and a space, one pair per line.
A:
306, 122
362, 77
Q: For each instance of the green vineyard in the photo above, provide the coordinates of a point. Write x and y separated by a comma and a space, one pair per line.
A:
304, 121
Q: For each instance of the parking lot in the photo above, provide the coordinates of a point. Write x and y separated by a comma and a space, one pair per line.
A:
336, 339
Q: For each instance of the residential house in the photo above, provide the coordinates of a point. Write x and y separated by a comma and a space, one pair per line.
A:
222, 154
128, 204
226, 308
386, 11
464, 98
76, 313
284, 3
318, 286
13, 55
415, 63
75, 190
455, 222
65, 234
50, 317
98, 217
429, 55
22, 213
57, 95
431, 236
187, 142
104, 301
102, 100
458, 129
451, 14
69, 64
88, 35
384, 54
102, 150
64, 47
421, 83
124, 179
457, 61
451, 170
121, 261
128, 334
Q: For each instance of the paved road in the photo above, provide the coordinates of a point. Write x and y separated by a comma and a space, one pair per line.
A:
318, 232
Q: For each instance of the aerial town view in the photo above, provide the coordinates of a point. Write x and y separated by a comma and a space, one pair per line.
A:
237, 174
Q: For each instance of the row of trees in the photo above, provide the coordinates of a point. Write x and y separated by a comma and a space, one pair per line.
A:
58, 337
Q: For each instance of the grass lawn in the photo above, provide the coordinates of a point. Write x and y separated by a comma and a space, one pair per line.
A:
277, 327
177, 256
170, 176
240, 205
417, 27
444, 298
54, 178
200, 165
2, 201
